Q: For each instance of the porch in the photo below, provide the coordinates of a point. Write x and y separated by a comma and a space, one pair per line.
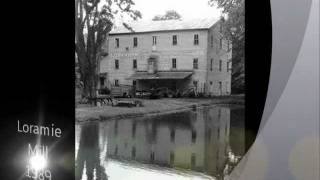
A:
173, 80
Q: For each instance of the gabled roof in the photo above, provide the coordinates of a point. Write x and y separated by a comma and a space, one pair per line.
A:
168, 25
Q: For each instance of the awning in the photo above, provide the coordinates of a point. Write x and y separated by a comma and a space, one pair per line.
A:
161, 75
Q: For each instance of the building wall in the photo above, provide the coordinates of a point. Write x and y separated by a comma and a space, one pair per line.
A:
184, 52
217, 53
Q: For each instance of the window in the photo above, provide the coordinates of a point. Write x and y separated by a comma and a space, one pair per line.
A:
172, 135
220, 89
221, 28
220, 43
116, 64
229, 47
193, 136
193, 160
116, 82
171, 157
174, 40
196, 39
133, 152
211, 41
117, 42
116, 150
152, 156
154, 40
195, 63
135, 42
134, 83
211, 64
134, 129
220, 65
135, 64
226, 129
218, 133
174, 63
229, 67
102, 81
211, 83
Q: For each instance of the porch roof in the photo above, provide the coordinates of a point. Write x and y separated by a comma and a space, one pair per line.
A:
161, 75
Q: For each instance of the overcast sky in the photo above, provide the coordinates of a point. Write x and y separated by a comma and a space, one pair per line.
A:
188, 9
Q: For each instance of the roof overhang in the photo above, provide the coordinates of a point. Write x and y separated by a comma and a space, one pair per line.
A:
161, 75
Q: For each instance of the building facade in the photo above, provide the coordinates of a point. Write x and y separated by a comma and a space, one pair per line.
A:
174, 54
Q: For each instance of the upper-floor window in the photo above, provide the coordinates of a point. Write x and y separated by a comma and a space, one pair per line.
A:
229, 66
172, 135
229, 45
220, 65
116, 64
195, 63
220, 43
211, 64
134, 65
193, 136
174, 40
211, 41
135, 42
117, 42
174, 63
154, 40
196, 39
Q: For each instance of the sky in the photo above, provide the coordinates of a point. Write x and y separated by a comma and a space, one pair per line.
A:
188, 9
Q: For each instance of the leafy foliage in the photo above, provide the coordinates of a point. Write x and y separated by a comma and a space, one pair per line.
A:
169, 15
235, 31
93, 21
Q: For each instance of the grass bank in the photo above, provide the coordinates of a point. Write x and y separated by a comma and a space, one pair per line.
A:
151, 107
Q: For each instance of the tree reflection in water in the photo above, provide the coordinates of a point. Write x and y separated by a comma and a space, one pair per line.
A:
88, 154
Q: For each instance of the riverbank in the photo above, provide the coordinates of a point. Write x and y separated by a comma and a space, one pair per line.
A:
151, 107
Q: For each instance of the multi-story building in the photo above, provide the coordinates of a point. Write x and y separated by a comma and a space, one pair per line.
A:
176, 54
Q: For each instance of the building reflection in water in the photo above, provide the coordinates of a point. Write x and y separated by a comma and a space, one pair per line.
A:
196, 140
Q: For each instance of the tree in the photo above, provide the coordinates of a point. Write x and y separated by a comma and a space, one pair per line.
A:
93, 22
235, 31
170, 14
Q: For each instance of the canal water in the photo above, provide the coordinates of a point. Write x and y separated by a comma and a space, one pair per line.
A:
203, 143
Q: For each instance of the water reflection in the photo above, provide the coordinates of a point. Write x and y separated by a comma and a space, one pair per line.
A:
88, 155
196, 140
